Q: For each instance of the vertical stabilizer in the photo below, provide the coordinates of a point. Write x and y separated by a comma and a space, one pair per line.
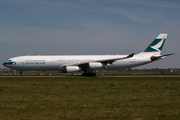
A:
156, 46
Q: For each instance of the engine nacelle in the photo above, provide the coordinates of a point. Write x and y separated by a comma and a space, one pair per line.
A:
94, 65
69, 69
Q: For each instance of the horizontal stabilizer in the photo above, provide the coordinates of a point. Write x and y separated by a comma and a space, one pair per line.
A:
153, 58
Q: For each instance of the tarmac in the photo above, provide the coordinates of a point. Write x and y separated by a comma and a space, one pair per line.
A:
87, 76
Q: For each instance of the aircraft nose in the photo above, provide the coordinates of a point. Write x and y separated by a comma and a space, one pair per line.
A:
8, 63
4, 64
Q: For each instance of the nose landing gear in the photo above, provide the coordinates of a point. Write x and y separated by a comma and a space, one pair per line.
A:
21, 74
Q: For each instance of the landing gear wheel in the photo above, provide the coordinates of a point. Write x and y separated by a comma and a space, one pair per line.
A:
89, 74
21, 74
93, 74
84, 74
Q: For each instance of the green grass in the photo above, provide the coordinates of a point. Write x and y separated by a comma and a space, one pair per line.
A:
90, 98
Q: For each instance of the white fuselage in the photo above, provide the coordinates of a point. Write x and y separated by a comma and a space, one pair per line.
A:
27, 63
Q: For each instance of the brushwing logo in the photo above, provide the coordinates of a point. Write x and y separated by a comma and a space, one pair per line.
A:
158, 45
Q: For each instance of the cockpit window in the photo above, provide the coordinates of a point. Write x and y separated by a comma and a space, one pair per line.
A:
9, 60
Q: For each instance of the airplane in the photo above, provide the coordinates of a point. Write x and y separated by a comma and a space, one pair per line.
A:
88, 63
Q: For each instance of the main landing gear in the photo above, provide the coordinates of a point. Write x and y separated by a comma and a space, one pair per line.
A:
21, 74
89, 74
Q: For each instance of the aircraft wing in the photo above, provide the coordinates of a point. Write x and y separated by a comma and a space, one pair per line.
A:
109, 61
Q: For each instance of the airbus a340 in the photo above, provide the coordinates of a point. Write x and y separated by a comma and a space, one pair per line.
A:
88, 63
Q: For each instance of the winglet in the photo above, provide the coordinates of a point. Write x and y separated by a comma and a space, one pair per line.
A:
131, 55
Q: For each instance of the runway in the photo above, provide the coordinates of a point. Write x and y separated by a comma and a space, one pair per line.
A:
86, 76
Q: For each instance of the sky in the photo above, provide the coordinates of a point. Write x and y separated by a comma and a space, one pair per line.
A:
89, 27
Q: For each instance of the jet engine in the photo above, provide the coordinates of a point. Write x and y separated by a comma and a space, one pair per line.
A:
94, 65
69, 69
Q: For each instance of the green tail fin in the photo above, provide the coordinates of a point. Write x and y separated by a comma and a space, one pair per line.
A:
156, 46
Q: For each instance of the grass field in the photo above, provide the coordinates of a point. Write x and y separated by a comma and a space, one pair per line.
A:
77, 98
